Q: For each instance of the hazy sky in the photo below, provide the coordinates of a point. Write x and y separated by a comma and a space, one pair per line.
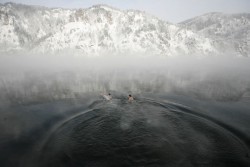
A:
169, 10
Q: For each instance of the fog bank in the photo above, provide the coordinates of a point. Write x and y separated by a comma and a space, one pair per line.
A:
37, 78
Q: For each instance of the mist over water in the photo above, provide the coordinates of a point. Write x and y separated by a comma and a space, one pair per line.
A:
32, 78
188, 111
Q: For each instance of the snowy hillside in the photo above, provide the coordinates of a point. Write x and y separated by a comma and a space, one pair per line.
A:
227, 30
94, 30
23, 26
102, 29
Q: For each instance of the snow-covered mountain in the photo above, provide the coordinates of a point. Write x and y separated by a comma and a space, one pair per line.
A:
230, 32
94, 30
98, 29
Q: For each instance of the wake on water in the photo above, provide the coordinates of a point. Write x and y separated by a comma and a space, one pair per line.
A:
185, 113
146, 132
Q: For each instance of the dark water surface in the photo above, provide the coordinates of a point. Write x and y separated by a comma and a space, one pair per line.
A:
162, 131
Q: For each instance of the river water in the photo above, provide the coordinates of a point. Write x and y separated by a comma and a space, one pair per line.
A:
187, 111
154, 130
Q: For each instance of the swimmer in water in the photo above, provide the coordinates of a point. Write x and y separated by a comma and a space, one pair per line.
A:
107, 97
130, 98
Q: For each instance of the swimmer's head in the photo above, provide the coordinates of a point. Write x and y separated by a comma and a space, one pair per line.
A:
129, 95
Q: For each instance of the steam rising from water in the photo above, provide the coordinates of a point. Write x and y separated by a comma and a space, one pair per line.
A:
147, 128
27, 78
